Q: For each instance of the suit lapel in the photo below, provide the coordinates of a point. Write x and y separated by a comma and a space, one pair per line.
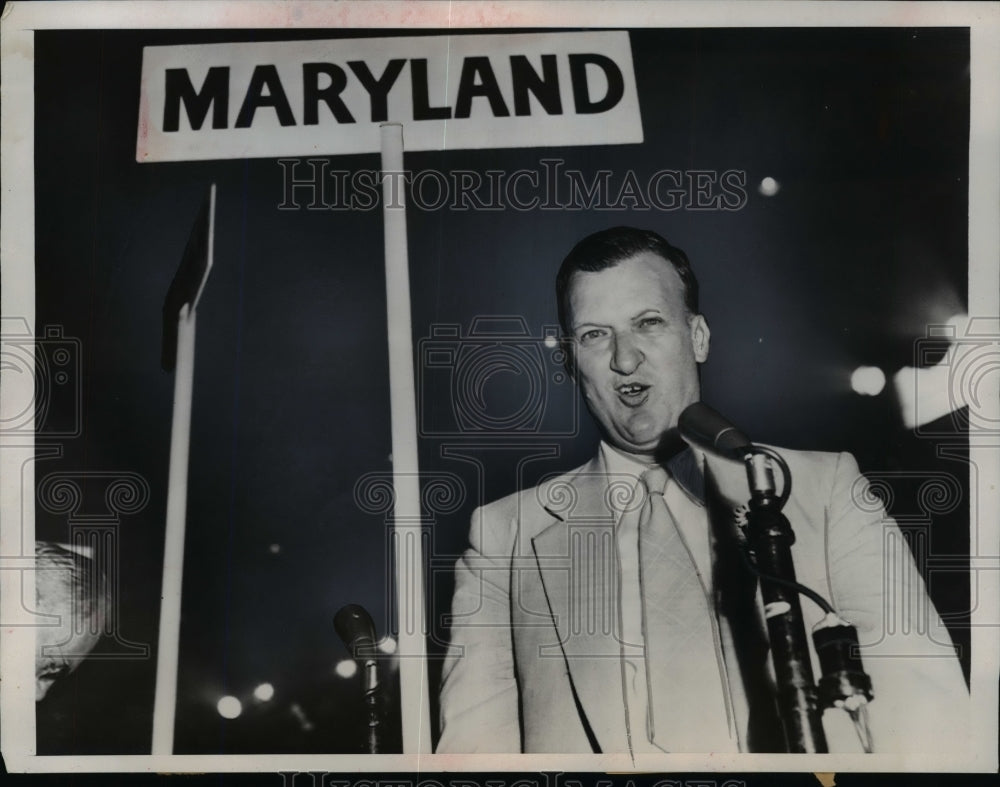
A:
578, 566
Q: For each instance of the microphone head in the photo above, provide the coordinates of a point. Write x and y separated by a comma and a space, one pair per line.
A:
703, 427
356, 629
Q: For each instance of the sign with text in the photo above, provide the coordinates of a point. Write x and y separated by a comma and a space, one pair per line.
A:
327, 97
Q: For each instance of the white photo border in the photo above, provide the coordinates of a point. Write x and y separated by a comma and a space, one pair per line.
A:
20, 20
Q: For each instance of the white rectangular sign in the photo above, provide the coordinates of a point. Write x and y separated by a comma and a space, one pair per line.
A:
326, 97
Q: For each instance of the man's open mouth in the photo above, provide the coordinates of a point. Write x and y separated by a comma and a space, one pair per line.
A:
632, 393
52, 673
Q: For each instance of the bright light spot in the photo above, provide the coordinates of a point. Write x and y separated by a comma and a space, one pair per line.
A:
275, 548
965, 377
346, 668
769, 187
264, 692
868, 380
229, 707
924, 394
387, 645
960, 322
550, 342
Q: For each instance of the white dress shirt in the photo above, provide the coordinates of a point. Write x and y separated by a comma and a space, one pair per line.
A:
692, 521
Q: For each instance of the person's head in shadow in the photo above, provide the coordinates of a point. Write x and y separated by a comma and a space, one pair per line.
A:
73, 598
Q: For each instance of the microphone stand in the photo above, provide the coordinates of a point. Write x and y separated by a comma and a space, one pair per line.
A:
844, 683
373, 695
770, 536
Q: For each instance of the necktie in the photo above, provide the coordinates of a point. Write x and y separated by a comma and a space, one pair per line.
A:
688, 707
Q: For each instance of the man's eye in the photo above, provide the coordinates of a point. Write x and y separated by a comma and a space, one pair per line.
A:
650, 322
591, 336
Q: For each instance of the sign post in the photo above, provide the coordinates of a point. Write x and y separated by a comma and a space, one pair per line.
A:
178, 354
406, 528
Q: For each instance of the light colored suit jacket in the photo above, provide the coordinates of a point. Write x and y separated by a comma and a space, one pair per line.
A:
534, 663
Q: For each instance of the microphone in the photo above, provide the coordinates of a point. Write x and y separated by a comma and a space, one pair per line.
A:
355, 628
703, 427
357, 631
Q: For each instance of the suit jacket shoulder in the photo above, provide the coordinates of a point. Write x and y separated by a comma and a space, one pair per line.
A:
527, 512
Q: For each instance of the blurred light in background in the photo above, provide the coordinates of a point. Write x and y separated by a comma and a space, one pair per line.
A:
346, 668
300, 715
924, 394
387, 645
550, 342
264, 692
769, 187
967, 376
229, 707
868, 380
275, 549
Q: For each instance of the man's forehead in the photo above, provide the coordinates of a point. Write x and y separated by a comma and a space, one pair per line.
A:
646, 273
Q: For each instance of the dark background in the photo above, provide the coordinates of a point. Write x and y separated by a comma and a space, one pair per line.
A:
864, 245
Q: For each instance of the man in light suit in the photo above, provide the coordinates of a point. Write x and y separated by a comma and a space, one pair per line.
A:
565, 637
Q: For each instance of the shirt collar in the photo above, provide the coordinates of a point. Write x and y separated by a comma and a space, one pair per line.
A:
686, 468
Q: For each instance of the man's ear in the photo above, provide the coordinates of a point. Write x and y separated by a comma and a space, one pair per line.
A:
700, 336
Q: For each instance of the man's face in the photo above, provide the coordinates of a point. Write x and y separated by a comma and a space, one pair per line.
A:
637, 349
58, 653
61, 644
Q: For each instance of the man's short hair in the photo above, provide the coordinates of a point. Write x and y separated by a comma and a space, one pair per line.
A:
607, 248
80, 579
67, 583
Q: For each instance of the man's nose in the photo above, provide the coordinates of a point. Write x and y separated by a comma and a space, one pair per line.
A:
625, 355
